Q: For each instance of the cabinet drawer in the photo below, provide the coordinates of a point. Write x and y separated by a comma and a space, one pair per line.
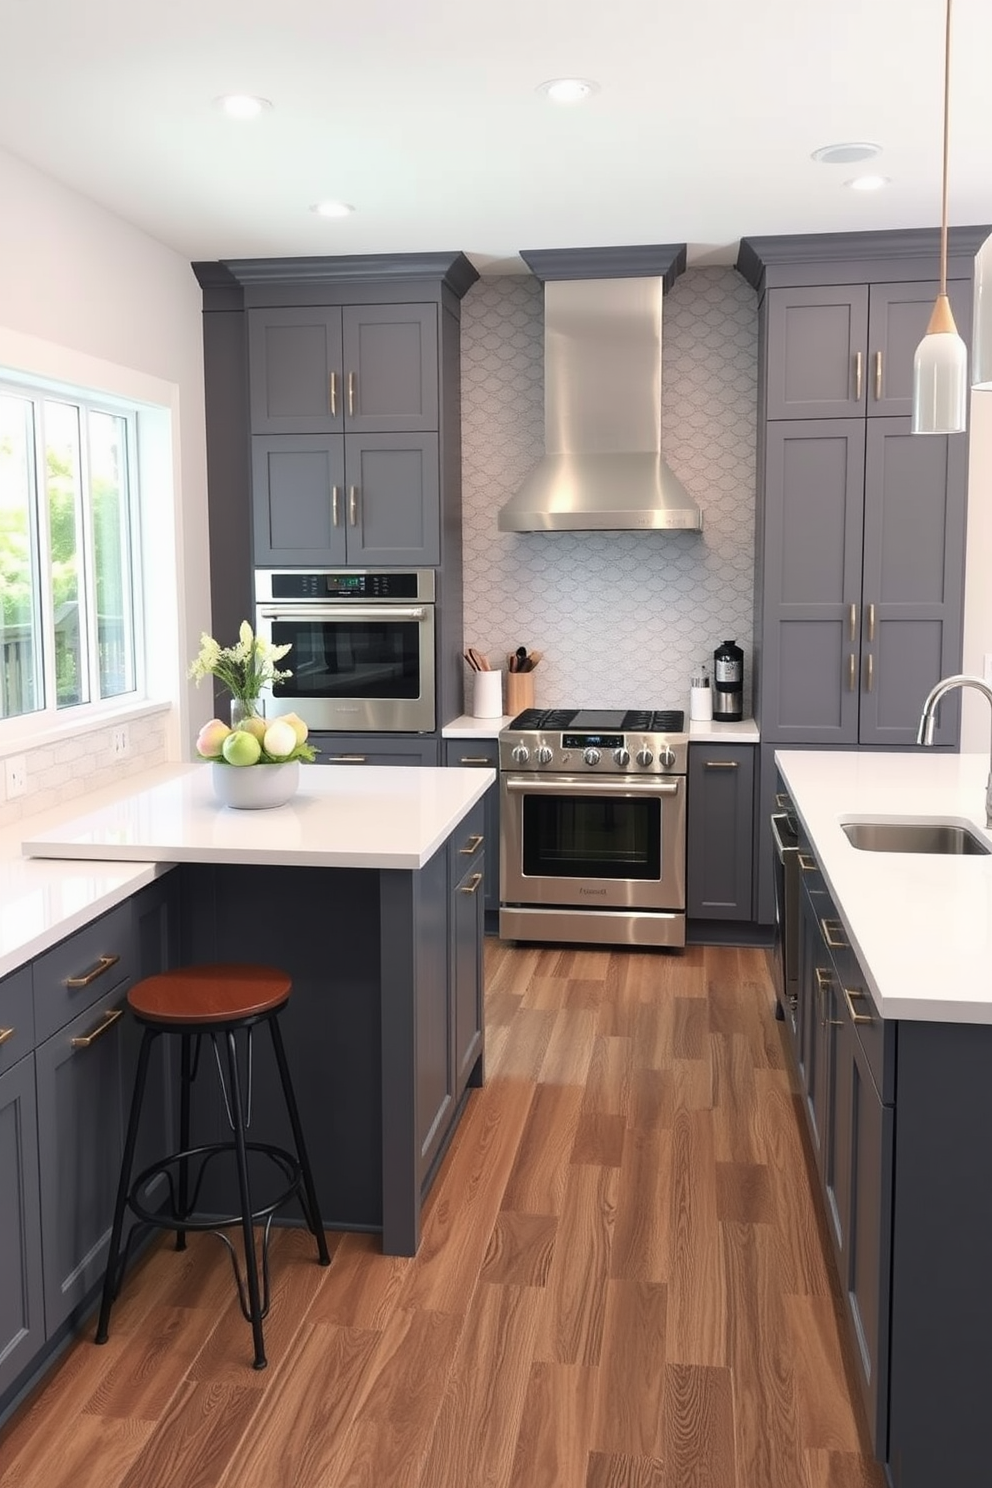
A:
874, 1034
82, 969
16, 1018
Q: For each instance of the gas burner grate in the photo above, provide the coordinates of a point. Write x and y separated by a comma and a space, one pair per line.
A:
661, 721
657, 721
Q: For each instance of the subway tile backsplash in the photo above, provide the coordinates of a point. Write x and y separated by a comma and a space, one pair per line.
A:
70, 768
623, 618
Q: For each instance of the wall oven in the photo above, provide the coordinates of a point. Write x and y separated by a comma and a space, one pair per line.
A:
593, 828
363, 647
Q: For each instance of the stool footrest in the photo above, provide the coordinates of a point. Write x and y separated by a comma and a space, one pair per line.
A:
172, 1217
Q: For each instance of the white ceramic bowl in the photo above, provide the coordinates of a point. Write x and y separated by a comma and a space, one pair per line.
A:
255, 787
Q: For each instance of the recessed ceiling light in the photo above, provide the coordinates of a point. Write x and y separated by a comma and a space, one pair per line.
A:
868, 183
845, 154
569, 90
242, 105
332, 209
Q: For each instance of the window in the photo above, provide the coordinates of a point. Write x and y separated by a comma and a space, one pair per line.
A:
69, 614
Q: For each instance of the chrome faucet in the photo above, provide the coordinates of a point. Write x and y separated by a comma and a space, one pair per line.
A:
928, 718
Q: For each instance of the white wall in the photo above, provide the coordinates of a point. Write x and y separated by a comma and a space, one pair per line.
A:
88, 298
978, 573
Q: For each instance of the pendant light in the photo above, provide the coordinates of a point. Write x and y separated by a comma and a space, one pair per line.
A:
981, 325
940, 367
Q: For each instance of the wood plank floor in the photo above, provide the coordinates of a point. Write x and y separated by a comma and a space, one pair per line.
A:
621, 1283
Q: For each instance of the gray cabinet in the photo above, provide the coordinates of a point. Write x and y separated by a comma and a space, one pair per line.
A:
346, 499
468, 873
361, 368
862, 568
846, 350
720, 831
374, 749
483, 754
22, 1314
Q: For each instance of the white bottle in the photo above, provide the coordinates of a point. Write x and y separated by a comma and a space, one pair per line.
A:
700, 697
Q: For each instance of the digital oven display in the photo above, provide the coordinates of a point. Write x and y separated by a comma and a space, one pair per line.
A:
592, 741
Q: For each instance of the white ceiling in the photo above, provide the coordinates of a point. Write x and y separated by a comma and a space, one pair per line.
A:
424, 114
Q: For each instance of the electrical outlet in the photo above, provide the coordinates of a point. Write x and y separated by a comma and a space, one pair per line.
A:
15, 776
120, 742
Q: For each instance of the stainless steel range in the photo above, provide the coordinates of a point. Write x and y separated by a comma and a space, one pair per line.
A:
592, 827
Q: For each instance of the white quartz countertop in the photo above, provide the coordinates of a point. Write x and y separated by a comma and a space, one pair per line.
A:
65, 866
921, 924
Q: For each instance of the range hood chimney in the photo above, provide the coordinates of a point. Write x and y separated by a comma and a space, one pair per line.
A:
603, 469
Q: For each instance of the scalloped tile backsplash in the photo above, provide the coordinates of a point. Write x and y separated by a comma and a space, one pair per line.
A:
623, 618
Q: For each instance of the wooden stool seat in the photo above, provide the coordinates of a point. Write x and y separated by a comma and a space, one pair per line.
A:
220, 992
214, 1004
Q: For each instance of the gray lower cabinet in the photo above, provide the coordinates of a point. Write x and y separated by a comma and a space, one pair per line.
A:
469, 872
375, 749
364, 368
22, 1311
719, 864
346, 499
483, 754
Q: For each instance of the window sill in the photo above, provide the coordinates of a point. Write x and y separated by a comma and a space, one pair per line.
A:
72, 728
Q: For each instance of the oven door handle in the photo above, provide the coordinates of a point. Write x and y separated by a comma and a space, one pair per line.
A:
782, 848
345, 612
567, 786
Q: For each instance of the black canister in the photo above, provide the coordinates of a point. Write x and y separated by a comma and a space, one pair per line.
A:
728, 683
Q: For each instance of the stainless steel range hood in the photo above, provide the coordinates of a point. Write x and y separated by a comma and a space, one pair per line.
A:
603, 468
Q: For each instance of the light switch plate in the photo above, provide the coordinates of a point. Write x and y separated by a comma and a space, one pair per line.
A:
15, 776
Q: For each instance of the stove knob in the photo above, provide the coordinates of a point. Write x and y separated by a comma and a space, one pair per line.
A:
545, 755
645, 757
666, 757
621, 757
592, 756
520, 754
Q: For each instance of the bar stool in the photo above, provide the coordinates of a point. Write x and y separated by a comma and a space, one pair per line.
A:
222, 1003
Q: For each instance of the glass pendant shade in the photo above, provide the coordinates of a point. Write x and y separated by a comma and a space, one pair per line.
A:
981, 327
940, 384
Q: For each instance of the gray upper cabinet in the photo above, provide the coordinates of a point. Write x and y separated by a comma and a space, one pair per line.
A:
840, 350
369, 369
355, 499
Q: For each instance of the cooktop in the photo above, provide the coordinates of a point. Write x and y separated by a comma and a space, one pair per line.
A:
663, 721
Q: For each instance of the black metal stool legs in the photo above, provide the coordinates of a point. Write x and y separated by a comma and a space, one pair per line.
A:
311, 1212
251, 1264
110, 1280
185, 1081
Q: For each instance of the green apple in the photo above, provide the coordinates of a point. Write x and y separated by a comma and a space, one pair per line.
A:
241, 748
210, 739
299, 727
280, 739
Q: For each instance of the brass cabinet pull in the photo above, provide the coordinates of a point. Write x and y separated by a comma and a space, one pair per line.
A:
475, 759
852, 622
472, 884
782, 803
87, 1039
472, 845
720, 764
6, 1033
852, 672
878, 376
353, 505
86, 977
858, 367
351, 393
333, 392
335, 498
830, 928
822, 977
807, 863
850, 993
871, 623
869, 672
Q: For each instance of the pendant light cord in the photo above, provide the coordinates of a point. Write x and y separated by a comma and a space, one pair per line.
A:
943, 197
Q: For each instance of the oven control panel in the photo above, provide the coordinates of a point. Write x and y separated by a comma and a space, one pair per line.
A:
602, 753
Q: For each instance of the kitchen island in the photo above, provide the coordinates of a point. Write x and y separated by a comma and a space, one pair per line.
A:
891, 1034
365, 889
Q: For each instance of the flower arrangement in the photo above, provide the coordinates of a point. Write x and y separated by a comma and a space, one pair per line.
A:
245, 669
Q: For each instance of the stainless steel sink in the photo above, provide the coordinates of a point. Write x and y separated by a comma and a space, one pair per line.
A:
914, 837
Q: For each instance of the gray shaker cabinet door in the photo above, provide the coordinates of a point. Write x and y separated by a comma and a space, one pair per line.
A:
299, 500
390, 368
294, 370
393, 499
814, 485
22, 1316
80, 1100
816, 365
913, 579
720, 832
897, 322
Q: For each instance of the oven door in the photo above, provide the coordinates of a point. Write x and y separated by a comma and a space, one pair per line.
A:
364, 668
611, 843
